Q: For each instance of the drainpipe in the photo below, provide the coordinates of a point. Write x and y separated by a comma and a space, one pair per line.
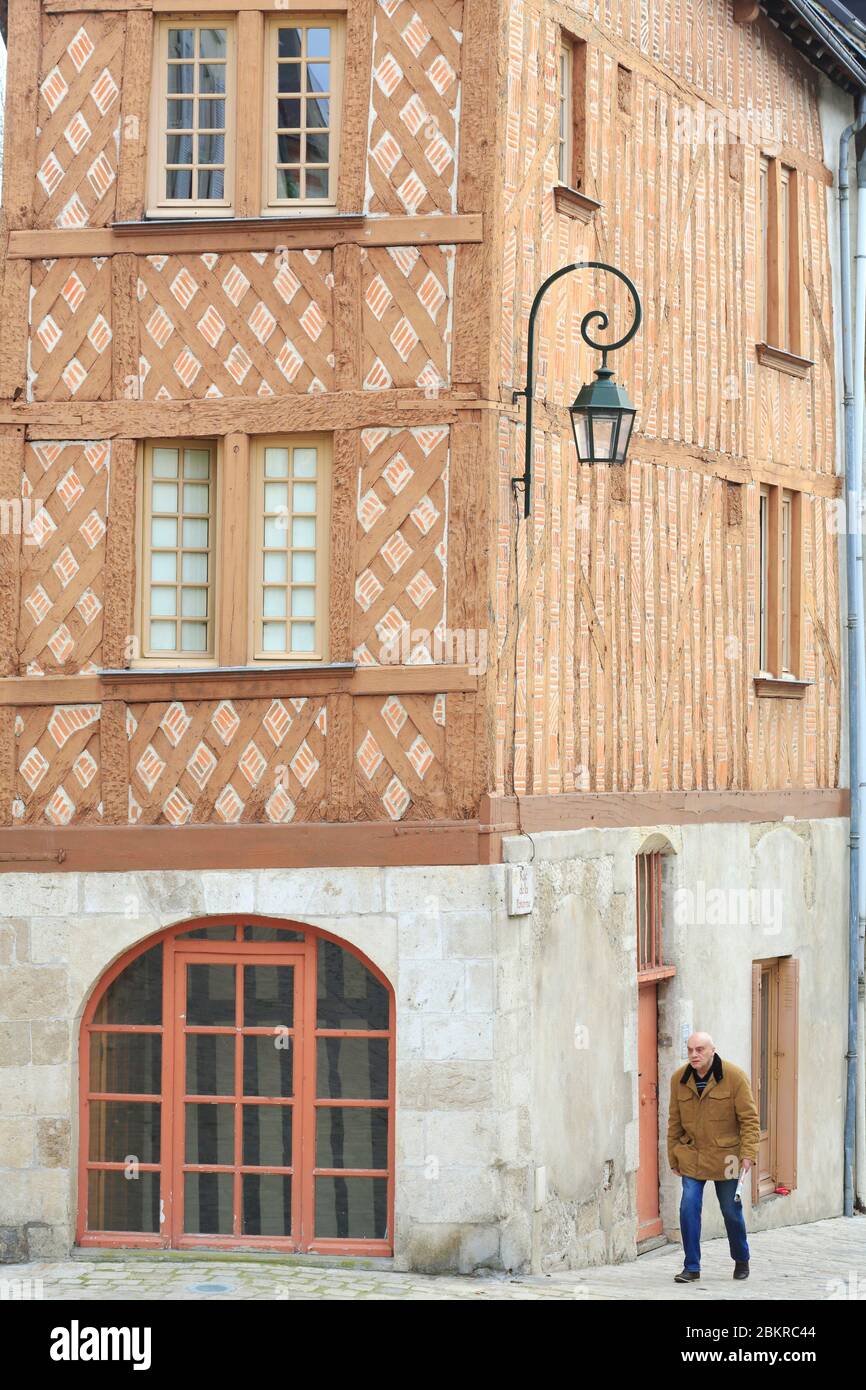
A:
856, 1028
854, 380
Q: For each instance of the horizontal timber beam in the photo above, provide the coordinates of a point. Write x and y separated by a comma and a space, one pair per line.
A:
331, 410
320, 844
314, 844
234, 684
235, 234
581, 810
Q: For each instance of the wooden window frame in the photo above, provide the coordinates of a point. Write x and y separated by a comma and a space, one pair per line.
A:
776, 983
565, 98
158, 205
144, 658
763, 212
335, 21
571, 165
235, 553
780, 578
323, 443
649, 870
779, 209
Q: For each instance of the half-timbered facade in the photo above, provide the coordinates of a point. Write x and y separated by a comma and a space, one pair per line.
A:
287, 688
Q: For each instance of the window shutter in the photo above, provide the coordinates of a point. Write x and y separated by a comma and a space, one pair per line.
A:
756, 1059
786, 1115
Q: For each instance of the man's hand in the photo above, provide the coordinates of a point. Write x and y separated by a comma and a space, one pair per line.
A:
746, 1165
676, 1172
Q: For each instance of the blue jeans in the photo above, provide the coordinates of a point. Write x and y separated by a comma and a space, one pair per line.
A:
690, 1220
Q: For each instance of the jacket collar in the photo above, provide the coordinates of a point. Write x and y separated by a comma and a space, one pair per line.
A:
716, 1071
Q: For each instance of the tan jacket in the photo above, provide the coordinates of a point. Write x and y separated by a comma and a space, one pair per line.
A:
709, 1134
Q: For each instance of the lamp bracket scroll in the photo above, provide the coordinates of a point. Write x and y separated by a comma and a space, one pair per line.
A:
602, 414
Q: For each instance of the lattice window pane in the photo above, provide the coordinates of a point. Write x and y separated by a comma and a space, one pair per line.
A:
305, 62
180, 488
196, 81
291, 565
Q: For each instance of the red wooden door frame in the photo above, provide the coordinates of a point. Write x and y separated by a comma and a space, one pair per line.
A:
304, 1064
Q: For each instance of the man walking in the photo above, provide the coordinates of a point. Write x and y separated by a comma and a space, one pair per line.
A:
713, 1135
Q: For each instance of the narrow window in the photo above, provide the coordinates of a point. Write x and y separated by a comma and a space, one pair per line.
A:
780, 233
194, 95
566, 112
764, 576
649, 911
784, 254
302, 123
785, 580
765, 242
650, 891
290, 548
571, 134
177, 604
779, 577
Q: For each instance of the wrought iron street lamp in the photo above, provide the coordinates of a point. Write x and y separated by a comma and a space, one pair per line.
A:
602, 415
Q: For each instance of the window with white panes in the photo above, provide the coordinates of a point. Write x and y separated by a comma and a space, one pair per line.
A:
302, 92
177, 572
290, 548
194, 117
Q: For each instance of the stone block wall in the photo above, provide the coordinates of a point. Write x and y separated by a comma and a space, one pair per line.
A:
517, 1099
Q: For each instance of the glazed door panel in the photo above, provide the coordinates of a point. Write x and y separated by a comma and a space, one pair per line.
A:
237, 1121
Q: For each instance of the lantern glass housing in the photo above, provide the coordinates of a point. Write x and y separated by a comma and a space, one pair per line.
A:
602, 418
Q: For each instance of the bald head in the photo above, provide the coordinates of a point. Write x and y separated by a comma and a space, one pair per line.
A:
701, 1050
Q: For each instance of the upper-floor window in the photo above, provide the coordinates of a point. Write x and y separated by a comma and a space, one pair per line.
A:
302, 115
780, 240
571, 97
288, 546
194, 117
233, 560
566, 114
289, 136
178, 524
779, 580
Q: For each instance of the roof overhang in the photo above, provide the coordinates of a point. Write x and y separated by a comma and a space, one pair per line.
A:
827, 37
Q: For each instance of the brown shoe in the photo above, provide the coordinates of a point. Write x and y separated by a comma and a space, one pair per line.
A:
741, 1269
687, 1276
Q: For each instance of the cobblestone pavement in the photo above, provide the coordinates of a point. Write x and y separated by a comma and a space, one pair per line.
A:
821, 1261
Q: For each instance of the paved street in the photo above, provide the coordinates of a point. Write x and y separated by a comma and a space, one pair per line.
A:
821, 1261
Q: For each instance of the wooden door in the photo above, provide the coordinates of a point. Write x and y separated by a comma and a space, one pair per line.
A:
648, 1213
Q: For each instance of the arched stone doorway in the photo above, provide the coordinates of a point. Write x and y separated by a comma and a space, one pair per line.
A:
237, 1091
